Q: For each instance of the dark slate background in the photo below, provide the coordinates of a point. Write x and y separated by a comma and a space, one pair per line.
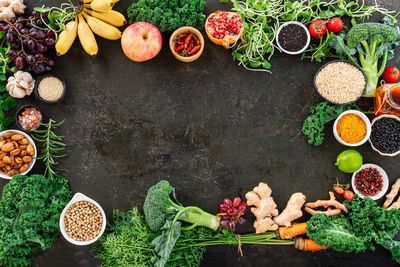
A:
212, 128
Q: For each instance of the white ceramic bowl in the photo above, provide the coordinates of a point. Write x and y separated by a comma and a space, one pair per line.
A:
307, 33
385, 181
372, 146
363, 117
3, 175
77, 198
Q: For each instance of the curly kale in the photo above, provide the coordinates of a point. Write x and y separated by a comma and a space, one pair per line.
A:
367, 222
30, 209
168, 15
335, 232
321, 114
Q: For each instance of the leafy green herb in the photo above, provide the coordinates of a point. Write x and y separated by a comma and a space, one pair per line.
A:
262, 19
168, 15
52, 145
129, 242
366, 222
322, 113
30, 209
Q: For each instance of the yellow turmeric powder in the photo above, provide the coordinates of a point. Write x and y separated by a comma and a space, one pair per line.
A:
351, 128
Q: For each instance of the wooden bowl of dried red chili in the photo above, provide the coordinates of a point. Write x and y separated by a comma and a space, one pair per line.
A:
186, 44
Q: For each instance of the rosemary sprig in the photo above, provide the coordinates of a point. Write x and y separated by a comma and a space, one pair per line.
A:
52, 145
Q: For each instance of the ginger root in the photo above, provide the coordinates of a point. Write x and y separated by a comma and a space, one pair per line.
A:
9, 8
265, 208
327, 204
390, 197
292, 210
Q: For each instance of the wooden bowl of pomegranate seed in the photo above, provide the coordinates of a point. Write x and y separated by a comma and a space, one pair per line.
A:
186, 44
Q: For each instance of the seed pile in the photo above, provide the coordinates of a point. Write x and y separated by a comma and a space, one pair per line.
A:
83, 221
292, 38
385, 135
368, 181
340, 82
51, 89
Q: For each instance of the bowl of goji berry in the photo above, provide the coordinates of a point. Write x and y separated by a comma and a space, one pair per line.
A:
186, 44
370, 181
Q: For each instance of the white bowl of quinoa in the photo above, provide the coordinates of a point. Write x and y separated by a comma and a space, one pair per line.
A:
50, 89
340, 82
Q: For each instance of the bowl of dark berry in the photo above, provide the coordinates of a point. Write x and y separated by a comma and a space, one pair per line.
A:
385, 135
293, 38
370, 181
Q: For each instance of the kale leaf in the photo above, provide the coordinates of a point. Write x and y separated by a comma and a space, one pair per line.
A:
168, 15
366, 224
321, 114
30, 209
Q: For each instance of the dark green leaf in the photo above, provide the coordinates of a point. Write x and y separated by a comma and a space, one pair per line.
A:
165, 242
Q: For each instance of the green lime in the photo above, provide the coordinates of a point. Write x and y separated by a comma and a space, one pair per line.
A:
349, 161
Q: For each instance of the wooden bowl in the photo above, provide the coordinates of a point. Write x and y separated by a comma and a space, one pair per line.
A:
179, 32
372, 146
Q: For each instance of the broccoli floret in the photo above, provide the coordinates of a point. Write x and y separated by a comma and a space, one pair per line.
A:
158, 207
372, 41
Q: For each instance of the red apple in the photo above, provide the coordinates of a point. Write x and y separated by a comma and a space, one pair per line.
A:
141, 41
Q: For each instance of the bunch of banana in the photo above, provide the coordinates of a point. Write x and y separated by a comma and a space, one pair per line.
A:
96, 17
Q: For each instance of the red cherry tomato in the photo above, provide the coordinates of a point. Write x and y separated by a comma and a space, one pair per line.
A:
339, 190
335, 25
317, 28
391, 74
348, 195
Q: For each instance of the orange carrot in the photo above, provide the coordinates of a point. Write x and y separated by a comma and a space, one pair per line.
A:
294, 230
307, 244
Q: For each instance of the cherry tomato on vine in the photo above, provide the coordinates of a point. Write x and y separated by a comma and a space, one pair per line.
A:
339, 190
348, 195
317, 28
391, 74
335, 25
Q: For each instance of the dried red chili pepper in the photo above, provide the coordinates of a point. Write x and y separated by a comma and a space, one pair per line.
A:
194, 50
188, 38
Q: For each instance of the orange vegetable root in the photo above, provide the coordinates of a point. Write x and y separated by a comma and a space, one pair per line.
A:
294, 230
307, 244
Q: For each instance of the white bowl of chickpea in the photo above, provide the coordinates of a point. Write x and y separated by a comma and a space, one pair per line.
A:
82, 209
17, 153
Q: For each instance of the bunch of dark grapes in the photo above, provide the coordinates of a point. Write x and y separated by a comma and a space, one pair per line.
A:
231, 212
30, 44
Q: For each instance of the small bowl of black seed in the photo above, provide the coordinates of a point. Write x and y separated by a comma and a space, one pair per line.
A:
293, 38
385, 135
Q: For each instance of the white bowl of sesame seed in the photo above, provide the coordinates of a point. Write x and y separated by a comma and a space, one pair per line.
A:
82, 221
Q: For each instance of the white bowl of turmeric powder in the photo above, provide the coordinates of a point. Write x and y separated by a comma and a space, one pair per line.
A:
352, 128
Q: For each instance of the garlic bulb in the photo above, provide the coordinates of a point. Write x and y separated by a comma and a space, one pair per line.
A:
20, 85
9, 8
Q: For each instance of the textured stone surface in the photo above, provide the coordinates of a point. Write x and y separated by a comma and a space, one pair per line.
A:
212, 128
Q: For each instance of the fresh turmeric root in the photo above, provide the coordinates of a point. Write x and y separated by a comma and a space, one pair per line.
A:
294, 230
327, 204
307, 244
390, 197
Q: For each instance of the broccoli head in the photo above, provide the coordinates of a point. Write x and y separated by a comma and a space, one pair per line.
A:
372, 41
373, 33
159, 207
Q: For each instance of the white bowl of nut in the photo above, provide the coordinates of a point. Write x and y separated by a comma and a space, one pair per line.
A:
82, 221
17, 153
